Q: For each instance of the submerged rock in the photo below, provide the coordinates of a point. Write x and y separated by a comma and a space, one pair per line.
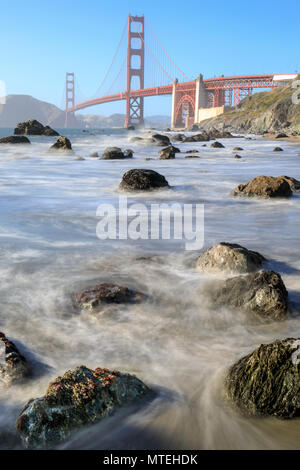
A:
128, 153
267, 381
229, 257
265, 187
62, 143
13, 366
160, 139
94, 297
294, 184
277, 149
238, 149
113, 153
13, 139
168, 153
203, 137
262, 294
217, 145
142, 180
237, 156
34, 127
80, 397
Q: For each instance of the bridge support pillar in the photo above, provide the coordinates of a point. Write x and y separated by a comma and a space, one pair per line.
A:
70, 95
135, 105
200, 97
174, 101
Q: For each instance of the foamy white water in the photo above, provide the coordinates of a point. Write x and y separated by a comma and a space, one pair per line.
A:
175, 341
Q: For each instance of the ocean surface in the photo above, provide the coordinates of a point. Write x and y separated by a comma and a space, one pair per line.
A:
175, 342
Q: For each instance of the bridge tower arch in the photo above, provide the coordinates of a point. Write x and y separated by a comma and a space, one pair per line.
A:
135, 105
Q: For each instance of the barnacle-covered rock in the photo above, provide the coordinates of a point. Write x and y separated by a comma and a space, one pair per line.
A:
62, 143
13, 366
267, 381
80, 397
229, 257
262, 294
264, 187
94, 297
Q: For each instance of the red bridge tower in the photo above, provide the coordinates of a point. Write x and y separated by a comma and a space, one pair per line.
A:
135, 106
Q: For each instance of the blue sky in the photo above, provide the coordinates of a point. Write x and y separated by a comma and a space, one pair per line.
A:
42, 40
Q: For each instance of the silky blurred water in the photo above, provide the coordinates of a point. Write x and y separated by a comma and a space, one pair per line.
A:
175, 341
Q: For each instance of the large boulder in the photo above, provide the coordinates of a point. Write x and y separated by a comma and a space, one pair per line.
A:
80, 397
168, 153
13, 139
160, 140
95, 297
62, 143
113, 153
34, 127
142, 180
262, 294
229, 257
14, 368
264, 187
216, 134
267, 381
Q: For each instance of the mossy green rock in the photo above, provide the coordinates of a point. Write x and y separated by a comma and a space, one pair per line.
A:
267, 381
81, 397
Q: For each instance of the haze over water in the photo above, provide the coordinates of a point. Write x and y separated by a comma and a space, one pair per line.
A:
175, 341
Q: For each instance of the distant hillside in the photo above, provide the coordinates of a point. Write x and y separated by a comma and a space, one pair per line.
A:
19, 108
262, 112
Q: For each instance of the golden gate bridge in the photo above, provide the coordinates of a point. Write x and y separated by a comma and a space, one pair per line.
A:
188, 96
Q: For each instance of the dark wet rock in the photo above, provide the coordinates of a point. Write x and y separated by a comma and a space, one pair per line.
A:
217, 145
229, 257
168, 152
262, 294
217, 134
203, 137
94, 297
237, 156
113, 153
79, 159
94, 155
128, 153
267, 381
192, 156
238, 149
34, 127
281, 135
79, 398
161, 140
192, 151
13, 139
130, 128
294, 184
193, 128
13, 366
264, 187
62, 143
277, 149
178, 137
142, 180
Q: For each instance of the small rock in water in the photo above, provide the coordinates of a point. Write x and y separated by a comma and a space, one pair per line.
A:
79, 398
142, 180
113, 153
160, 139
237, 156
62, 143
262, 294
94, 155
267, 381
238, 149
168, 153
94, 297
281, 135
13, 366
128, 153
229, 257
265, 187
217, 145
277, 149
13, 139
